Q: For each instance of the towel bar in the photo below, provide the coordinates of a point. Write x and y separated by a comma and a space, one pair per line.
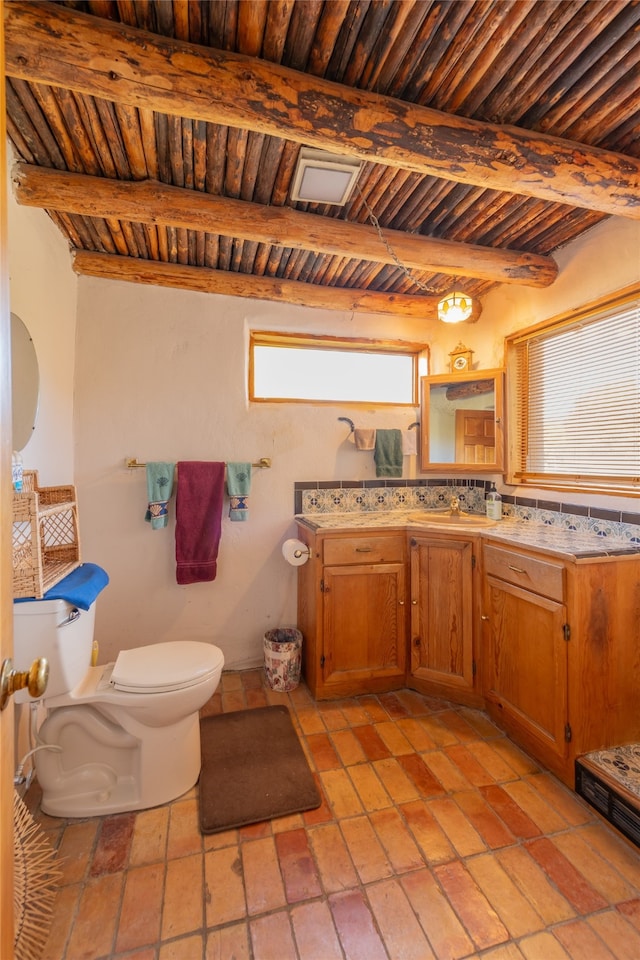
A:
131, 462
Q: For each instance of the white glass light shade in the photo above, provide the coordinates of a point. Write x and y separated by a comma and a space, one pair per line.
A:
455, 308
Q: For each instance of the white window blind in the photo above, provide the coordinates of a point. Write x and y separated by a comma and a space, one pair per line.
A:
578, 399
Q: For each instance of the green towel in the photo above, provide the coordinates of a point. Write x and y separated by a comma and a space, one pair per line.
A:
159, 490
388, 453
238, 488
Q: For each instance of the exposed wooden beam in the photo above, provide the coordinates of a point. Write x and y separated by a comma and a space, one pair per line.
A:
202, 279
52, 44
156, 203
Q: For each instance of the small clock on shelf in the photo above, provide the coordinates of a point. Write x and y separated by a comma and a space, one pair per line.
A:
460, 361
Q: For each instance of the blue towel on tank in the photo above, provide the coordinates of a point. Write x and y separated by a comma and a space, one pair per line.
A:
80, 587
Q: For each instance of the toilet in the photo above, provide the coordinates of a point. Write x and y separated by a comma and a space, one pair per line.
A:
125, 736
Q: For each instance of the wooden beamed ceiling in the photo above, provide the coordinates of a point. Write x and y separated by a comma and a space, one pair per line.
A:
83, 89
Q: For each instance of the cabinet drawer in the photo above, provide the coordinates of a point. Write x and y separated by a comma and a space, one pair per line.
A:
364, 550
541, 576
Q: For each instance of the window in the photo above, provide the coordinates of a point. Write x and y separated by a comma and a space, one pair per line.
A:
333, 370
574, 386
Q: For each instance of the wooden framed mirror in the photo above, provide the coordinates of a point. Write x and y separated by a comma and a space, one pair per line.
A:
462, 422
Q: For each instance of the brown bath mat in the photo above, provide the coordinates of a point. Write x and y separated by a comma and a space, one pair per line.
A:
253, 768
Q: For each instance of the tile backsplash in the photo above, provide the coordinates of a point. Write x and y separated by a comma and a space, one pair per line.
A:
350, 496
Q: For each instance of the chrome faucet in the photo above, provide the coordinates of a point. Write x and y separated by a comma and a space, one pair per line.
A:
455, 507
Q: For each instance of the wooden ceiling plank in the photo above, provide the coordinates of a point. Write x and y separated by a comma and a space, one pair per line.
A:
187, 152
499, 55
92, 123
116, 242
225, 251
276, 28
267, 172
127, 13
106, 113
216, 152
249, 251
328, 22
613, 101
119, 62
182, 244
152, 241
20, 145
302, 33
52, 114
180, 12
199, 155
149, 142
261, 260
211, 246
424, 77
614, 21
172, 245
147, 201
252, 20
66, 227
32, 124
133, 270
416, 60
129, 125
84, 142
236, 151
482, 20
251, 167
374, 24
393, 43
403, 201
617, 63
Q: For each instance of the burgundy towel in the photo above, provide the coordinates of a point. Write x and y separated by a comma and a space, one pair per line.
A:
198, 520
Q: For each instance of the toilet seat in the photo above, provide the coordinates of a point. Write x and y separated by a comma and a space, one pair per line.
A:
162, 667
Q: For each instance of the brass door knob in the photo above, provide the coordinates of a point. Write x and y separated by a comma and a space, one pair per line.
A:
34, 679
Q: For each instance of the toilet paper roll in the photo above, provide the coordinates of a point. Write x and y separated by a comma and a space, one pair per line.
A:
295, 552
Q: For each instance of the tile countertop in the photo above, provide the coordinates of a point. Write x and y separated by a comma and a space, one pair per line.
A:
551, 538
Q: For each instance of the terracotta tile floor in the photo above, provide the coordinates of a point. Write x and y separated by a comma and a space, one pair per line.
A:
437, 838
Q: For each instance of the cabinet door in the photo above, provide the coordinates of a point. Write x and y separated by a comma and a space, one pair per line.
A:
526, 667
364, 624
442, 614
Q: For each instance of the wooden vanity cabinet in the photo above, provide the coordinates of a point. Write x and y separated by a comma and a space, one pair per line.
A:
526, 651
561, 657
442, 651
352, 612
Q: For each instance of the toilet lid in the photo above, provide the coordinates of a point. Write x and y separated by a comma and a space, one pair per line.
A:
160, 667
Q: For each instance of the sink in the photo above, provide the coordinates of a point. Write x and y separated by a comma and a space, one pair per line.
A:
453, 520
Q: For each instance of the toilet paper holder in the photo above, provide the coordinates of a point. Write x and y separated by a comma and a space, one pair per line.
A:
295, 552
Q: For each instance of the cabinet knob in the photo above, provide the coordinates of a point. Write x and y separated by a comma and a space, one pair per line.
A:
401, 602
484, 617
414, 603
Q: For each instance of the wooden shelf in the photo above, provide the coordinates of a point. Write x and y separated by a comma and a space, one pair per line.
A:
46, 541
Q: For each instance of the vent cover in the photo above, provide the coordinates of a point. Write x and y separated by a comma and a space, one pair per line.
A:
608, 802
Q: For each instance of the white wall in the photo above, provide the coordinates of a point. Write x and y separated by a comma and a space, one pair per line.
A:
162, 375
43, 292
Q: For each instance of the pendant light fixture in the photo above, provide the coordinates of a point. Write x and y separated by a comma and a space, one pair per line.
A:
456, 307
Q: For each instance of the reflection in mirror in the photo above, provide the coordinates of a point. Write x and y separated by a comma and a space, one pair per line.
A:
25, 383
463, 417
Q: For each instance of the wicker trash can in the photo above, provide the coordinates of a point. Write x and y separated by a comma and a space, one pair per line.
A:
283, 658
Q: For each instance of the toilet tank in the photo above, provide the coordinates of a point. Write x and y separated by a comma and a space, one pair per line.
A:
58, 631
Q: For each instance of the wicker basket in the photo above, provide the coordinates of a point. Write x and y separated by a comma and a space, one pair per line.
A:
46, 537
